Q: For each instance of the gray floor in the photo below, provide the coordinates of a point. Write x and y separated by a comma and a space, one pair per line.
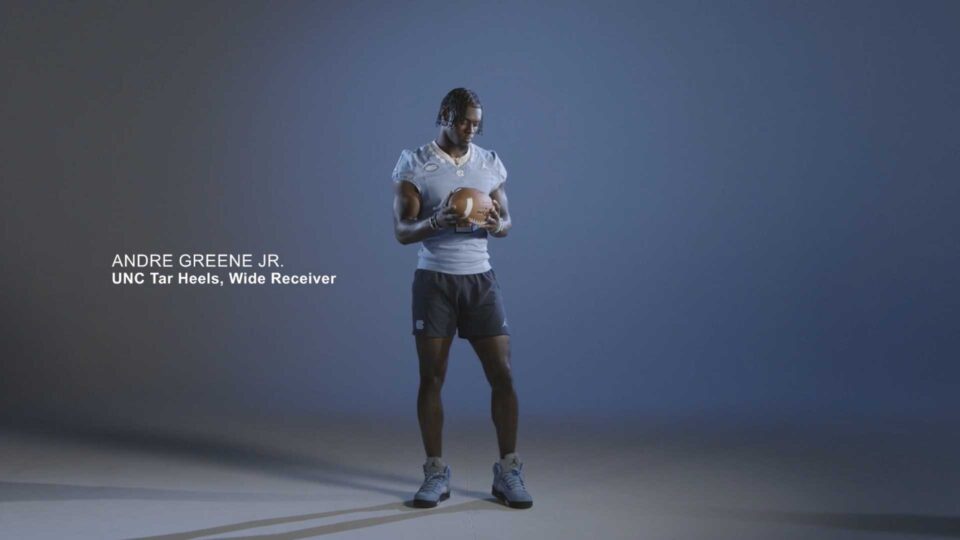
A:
353, 480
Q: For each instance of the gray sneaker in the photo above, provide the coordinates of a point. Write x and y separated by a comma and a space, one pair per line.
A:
508, 486
435, 488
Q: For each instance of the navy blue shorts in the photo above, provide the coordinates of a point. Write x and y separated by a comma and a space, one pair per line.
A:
446, 303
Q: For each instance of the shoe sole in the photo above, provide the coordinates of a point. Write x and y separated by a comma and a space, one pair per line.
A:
512, 504
420, 503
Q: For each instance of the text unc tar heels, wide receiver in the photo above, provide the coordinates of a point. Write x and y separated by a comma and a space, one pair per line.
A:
147, 268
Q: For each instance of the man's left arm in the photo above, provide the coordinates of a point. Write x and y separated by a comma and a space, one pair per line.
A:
498, 220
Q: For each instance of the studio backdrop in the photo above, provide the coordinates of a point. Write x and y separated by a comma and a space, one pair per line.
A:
741, 210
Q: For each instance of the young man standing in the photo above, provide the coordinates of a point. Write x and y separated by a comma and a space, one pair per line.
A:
454, 287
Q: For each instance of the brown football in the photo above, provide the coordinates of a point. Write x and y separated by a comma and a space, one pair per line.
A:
472, 205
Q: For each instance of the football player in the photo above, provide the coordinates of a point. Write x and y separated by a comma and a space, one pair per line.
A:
455, 290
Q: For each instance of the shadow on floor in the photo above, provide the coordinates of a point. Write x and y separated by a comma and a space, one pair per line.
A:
913, 524
221, 451
406, 512
36, 491
924, 525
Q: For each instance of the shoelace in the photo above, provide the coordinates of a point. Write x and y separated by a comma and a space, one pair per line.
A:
513, 480
433, 482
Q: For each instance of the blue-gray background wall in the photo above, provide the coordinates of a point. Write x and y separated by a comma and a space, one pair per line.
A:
722, 209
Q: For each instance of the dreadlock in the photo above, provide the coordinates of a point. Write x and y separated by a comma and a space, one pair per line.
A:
454, 106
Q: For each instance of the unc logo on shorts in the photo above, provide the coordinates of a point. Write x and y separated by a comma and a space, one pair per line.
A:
419, 325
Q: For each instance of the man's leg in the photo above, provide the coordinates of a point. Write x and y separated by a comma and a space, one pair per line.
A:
433, 354
494, 354
508, 483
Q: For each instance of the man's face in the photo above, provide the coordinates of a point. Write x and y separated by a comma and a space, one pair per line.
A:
462, 132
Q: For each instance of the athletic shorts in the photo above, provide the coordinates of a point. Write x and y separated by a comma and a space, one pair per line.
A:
446, 303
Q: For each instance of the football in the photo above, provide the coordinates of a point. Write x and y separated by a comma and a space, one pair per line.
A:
472, 205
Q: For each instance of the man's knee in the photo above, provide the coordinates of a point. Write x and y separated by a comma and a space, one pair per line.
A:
501, 379
431, 382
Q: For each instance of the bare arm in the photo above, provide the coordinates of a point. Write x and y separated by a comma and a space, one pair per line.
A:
498, 221
406, 208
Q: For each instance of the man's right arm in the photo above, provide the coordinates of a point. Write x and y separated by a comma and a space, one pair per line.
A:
406, 208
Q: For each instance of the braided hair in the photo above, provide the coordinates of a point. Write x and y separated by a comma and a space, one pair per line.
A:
453, 108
